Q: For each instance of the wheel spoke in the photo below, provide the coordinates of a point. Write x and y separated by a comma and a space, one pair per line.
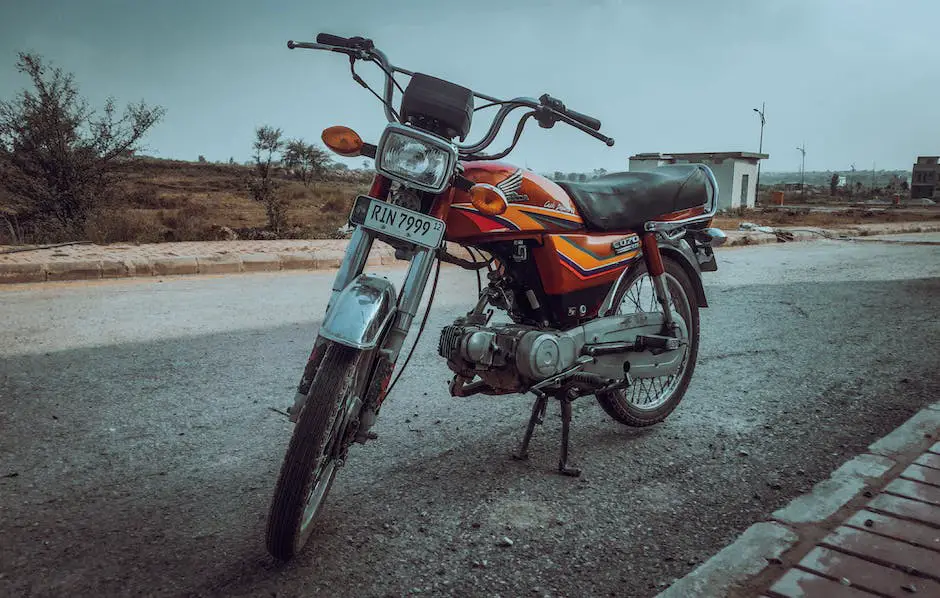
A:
650, 393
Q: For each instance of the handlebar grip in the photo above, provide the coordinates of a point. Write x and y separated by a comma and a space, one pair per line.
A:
584, 119
334, 40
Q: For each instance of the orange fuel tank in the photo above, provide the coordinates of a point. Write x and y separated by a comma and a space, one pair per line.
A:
536, 205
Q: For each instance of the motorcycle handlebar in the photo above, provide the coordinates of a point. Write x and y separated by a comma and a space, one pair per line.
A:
584, 119
558, 106
353, 43
360, 47
333, 40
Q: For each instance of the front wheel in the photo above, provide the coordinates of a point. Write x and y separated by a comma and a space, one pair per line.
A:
650, 400
310, 463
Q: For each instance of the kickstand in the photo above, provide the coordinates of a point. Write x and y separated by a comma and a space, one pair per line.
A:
538, 416
563, 466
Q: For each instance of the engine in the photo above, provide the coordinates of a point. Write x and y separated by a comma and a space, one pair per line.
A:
508, 358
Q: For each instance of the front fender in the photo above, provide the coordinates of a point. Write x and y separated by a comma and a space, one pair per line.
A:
360, 312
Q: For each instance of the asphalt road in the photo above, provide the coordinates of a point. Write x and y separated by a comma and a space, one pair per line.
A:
138, 448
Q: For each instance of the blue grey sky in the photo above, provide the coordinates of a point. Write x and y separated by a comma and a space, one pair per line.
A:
857, 80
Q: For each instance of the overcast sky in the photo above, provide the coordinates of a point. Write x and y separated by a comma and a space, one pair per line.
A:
857, 81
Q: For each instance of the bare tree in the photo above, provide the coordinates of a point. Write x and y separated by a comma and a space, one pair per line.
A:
57, 154
262, 185
306, 160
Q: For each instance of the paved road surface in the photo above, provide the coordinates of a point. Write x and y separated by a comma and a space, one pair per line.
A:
138, 450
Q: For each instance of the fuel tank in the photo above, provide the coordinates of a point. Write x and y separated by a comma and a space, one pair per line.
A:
536, 205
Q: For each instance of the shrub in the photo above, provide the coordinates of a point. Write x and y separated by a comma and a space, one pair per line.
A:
57, 155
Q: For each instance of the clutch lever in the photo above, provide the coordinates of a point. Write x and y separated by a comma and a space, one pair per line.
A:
351, 52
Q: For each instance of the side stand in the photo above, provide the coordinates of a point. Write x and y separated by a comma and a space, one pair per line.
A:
537, 417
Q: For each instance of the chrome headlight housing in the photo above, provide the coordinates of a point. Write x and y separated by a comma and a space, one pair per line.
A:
415, 158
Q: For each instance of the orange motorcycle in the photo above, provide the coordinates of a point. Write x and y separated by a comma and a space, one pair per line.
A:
600, 281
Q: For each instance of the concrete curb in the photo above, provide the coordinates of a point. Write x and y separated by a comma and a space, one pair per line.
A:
736, 563
748, 556
326, 259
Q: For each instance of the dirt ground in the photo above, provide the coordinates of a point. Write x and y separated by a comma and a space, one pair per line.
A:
826, 216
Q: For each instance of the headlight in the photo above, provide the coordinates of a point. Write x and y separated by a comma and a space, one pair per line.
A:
416, 158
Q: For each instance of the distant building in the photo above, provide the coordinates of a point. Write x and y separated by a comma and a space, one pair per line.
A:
925, 178
736, 172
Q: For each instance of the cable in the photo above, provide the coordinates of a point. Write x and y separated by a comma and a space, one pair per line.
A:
474, 258
501, 103
390, 75
424, 321
515, 140
358, 79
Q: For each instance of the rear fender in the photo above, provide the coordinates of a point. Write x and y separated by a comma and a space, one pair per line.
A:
360, 313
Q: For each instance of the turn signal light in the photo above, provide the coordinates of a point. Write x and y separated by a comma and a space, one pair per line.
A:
488, 199
343, 140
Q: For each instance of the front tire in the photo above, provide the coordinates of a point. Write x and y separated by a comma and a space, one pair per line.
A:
309, 464
650, 400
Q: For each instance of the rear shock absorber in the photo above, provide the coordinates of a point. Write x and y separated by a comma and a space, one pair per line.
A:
654, 265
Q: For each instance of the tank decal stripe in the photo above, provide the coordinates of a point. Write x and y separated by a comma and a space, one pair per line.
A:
486, 223
588, 251
582, 272
600, 258
545, 219
553, 212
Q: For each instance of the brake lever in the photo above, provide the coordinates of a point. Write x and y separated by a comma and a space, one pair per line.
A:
609, 141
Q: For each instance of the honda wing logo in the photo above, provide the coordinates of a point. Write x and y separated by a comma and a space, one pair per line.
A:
511, 187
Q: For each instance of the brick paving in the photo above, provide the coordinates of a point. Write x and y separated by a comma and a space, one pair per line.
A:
889, 547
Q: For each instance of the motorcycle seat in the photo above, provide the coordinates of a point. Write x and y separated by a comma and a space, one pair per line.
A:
627, 200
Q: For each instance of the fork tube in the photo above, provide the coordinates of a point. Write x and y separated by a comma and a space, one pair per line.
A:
654, 265
410, 298
360, 244
354, 260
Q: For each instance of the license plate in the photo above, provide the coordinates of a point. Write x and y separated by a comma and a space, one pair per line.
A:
398, 222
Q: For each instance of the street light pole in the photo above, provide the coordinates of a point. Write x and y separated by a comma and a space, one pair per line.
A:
802, 150
760, 148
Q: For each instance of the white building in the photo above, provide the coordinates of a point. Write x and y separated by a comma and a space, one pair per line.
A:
736, 172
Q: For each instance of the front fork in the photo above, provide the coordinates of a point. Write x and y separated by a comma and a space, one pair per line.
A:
409, 300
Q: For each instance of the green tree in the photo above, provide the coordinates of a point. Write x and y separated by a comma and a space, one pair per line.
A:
262, 184
57, 154
306, 160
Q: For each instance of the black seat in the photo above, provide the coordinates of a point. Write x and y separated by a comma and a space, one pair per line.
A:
627, 200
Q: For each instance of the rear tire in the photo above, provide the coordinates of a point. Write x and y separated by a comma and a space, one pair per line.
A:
309, 467
618, 404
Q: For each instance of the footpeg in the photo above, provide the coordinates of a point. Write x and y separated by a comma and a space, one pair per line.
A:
294, 410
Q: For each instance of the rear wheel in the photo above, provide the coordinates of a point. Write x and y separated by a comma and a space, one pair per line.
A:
310, 463
651, 400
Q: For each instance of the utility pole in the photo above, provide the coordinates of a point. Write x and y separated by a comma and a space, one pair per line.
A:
760, 148
872, 179
802, 150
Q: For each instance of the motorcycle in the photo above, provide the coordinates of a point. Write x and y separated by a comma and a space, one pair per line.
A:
600, 280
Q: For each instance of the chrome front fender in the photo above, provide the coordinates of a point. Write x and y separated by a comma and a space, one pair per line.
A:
360, 312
